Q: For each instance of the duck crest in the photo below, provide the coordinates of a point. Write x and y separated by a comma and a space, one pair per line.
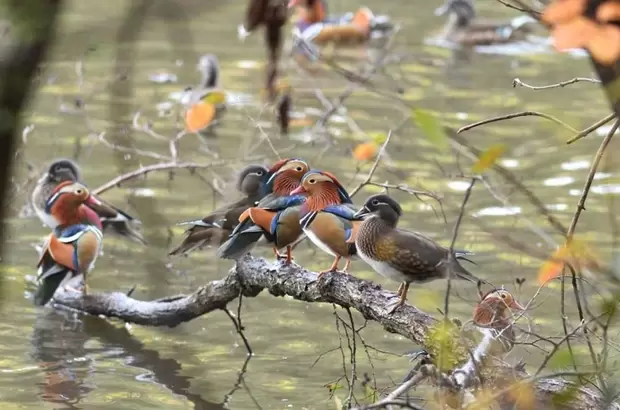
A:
282, 183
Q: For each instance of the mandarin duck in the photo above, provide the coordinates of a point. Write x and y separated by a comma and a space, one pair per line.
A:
72, 248
219, 224
493, 313
398, 254
110, 217
328, 217
275, 217
462, 27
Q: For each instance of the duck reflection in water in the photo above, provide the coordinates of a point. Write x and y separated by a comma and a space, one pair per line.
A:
58, 343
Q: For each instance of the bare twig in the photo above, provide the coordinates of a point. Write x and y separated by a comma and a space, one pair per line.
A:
591, 128
517, 82
517, 115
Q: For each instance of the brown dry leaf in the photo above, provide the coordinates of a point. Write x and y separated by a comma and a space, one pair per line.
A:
365, 151
574, 34
605, 44
608, 12
563, 11
576, 253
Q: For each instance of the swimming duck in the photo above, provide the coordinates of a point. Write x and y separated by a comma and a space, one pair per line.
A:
463, 28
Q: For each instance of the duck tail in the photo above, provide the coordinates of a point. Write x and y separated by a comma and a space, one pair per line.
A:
48, 286
461, 273
241, 241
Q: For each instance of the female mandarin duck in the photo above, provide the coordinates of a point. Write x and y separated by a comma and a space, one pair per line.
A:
73, 246
494, 312
328, 217
219, 224
397, 254
112, 218
463, 28
276, 216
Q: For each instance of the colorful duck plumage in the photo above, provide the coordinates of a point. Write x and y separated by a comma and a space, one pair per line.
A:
216, 227
494, 312
328, 217
400, 255
463, 27
110, 217
276, 216
72, 248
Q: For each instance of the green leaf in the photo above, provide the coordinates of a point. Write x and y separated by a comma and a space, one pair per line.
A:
431, 127
488, 158
561, 359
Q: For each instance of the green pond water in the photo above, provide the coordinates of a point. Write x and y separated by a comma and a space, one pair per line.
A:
54, 360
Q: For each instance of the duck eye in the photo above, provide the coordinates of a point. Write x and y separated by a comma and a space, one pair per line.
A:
79, 191
259, 173
299, 169
504, 296
375, 202
312, 181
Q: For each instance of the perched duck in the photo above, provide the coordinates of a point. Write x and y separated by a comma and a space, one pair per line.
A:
397, 254
206, 103
112, 218
463, 28
493, 312
275, 217
315, 27
203, 232
328, 217
72, 248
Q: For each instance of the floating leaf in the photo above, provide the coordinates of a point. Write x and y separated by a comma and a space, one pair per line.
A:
365, 151
431, 127
488, 158
199, 116
575, 253
215, 97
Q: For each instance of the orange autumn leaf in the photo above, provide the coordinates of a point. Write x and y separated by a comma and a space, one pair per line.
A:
576, 253
608, 12
365, 151
199, 116
300, 122
574, 34
562, 11
605, 44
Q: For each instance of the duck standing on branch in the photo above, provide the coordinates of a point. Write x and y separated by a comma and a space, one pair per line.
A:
400, 255
328, 217
73, 246
205, 103
216, 227
314, 27
494, 312
111, 218
275, 217
463, 28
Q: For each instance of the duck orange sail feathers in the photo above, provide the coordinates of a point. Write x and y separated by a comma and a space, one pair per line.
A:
72, 248
275, 217
110, 217
328, 217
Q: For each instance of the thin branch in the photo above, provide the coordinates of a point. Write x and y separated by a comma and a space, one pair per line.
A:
591, 128
517, 82
517, 115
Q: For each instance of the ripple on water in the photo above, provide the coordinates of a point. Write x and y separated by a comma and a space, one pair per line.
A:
558, 181
606, 189
602, 175
459, 185
557, 207
510, 163
499, 211
575, 165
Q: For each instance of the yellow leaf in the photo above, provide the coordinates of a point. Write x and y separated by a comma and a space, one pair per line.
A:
215, 97
576, 253
488, 158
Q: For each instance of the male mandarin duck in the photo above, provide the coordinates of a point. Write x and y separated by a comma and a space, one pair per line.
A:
494, 311
72, 248
276, 216
328, 217
206, 103
316, 27
218, 225
463, 28
112, 218
398, 254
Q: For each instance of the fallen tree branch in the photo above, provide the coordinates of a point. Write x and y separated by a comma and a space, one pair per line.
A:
252, 275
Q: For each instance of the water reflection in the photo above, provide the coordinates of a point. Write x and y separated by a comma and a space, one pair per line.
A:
59, 346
